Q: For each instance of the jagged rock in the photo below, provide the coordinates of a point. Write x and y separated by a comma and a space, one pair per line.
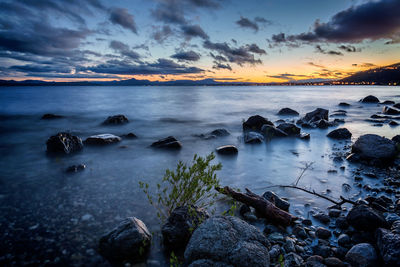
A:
293, 260
180, 225
129, 241
116, 119
374, 147
255, 123
64, 143
362, 255
230, 241
274, 198
364, 218
227, 150
341, 133
388, 244
50, 116
270, 132
253, 138
316, 115
390, 110
169, 142
102, 139
322, 124
289, 128
288, 112
370, 99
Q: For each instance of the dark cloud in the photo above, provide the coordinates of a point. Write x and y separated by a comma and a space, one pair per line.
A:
122, 17
349, 48
246, 23
279, 38
186, 56
124, 50
263, 20
239, 55
37, 68
161, 67
371, 20
315, 65
287, 76
364, 65
319, 49
218, 65
162, 34
256, 49
190, 31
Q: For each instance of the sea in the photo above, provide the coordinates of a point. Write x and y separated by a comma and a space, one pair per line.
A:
52, 217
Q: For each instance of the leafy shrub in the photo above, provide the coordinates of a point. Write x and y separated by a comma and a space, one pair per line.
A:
186, 186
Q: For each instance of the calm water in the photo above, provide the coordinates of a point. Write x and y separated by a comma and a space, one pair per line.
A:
61, 216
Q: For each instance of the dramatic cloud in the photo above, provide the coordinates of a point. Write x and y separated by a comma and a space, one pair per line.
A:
122, 17
124, 50
246, 23
240, 55
219, 66
349, 48
162, 34
186, 56
319, 49
190, 31
372, 20
161, 67
256, 49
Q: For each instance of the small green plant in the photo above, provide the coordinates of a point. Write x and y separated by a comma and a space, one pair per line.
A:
281, 260
174, 261
232, 209
186, 186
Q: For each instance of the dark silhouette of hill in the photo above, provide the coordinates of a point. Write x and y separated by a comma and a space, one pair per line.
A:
382, 75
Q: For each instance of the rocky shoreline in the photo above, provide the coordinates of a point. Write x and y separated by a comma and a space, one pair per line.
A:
364, 234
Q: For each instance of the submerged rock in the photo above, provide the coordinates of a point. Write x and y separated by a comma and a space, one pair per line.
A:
391, 110
289, 128
129, 241
253, 138
116, 119
374, 147
362, 255
271, 132
169, 142
227, 150
288, 112
227, 240
344, 104
389, 246
50, 116
76, 168
102, 139
220, 132
370, 99
129, 136
255, 123
365, 218
180, 225
64, 143
341, 133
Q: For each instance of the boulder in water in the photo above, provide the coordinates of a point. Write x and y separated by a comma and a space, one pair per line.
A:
344, 104
270, 131
50, 116
289, 128
374, 147
129, 136
64, 143
253, 138
370, 99
102, 139
390, 110
365, 218
255, 123
316, 115
169, 142
362, 255
116, 119
341, 133
129, 241
288, 112
227, 150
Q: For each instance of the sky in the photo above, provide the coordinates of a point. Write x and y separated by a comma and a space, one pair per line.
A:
225, 40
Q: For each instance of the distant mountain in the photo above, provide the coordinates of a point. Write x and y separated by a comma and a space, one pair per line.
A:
382, 75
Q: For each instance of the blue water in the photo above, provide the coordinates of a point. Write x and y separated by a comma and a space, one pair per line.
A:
44, 207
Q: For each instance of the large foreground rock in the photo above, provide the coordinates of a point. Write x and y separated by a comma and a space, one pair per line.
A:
228, 241
129, 241
180, 225
102, 139
389, 246
365, 218
65, 143
362, 255
370, 99
169, 142
255, 123
116, 119
341, 133
374, 147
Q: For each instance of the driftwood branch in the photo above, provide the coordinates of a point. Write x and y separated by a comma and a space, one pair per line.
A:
264, 208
